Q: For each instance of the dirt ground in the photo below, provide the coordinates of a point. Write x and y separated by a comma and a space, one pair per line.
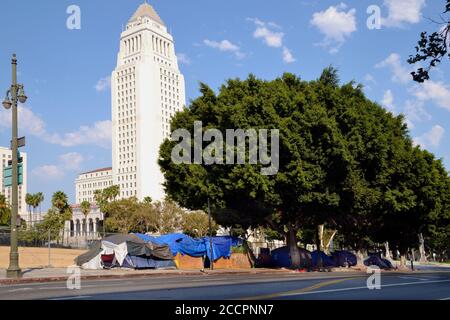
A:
38, 257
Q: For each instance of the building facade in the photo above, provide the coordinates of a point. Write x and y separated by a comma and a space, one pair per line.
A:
5, 156
147, 89
87, 183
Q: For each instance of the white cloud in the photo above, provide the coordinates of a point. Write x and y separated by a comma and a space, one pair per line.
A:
433, 138
414, 111
400, 73
98, 134
48, 172
287, 56
183, 58
336, 24
271, 36
401, 12
71, 161
67, 162
225, 46
437, 92
28, 121
388, 101
369, 78
103, 84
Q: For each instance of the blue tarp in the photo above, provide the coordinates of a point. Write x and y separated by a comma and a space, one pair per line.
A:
185, 245
344, 259
327, 261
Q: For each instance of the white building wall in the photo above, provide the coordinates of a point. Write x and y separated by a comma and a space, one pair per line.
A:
87, 183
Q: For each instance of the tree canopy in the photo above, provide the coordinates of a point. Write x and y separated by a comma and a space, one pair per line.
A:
343, 160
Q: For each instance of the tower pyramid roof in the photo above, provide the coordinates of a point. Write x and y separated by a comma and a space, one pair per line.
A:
146, 10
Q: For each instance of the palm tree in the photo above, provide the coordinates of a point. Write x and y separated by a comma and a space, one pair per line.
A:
60, 202
5, 211
38, 199
29, 200
85, 209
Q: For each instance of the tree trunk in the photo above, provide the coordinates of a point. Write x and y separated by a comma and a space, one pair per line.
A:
250, 254
423, 257
327, 247
360, 258
388, 252
319, 246
293, 248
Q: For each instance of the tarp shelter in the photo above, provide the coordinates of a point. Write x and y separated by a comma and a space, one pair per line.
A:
185, 245
281, 258
327, 261
376, 260
344, 259
126, 251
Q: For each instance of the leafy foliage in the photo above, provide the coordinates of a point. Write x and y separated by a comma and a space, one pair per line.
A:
344, 161
432, 48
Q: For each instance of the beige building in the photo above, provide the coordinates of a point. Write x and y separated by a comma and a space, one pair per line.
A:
5, 156
87, 183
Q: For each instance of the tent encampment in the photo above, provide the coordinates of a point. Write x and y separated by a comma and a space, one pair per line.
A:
126, 251
344, 259
281, 258
187, 246
327, 261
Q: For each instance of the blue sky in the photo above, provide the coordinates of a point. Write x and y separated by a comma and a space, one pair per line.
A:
67, 117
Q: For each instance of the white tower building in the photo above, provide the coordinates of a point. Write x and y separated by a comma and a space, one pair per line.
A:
147, 90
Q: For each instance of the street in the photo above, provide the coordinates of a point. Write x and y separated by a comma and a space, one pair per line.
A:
327, 286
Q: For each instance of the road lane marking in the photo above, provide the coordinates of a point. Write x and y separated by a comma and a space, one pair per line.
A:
70, 298
21, 289
414, 278
294, 292
359, 288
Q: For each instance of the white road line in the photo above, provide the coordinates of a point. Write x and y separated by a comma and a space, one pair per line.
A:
70, 298
414, 278
21, 289
359, 288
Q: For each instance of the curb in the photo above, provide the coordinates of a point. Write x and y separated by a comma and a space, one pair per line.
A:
135, 275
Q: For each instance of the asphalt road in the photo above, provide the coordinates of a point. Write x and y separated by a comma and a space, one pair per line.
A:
327, 286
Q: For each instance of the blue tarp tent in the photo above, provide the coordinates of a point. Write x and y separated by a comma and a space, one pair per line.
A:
185, 245
327, 261
344, 259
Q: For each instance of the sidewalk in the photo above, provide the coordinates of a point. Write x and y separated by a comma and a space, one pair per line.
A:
61, 274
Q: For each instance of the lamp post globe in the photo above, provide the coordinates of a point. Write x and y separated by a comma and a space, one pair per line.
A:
7, 104
22, 97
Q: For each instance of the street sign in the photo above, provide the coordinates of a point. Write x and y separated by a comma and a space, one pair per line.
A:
20, 142
7, 176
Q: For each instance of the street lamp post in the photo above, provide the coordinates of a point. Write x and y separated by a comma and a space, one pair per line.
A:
14, 95
211, 259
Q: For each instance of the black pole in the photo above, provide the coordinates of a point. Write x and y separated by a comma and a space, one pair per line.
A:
211, 260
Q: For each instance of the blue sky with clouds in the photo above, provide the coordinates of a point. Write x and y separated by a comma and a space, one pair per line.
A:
67, 117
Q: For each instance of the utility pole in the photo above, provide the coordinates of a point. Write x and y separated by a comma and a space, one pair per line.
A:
14, 95
211, 259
